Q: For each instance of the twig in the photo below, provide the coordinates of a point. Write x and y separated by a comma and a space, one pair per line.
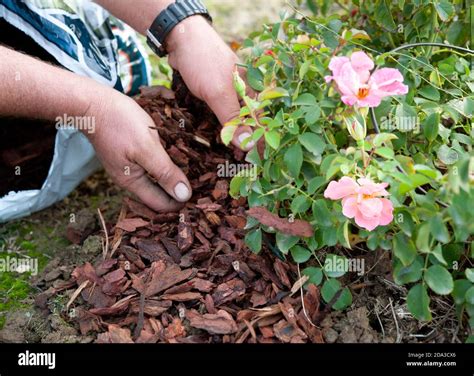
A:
251, 329
117, 239
302, 301
398, 340
376, 310
102, 222
76, 293
141, 316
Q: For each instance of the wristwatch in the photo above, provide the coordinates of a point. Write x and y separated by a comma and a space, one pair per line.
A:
169, 18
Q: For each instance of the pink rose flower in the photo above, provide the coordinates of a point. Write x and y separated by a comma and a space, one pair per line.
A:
358, 86
363, 201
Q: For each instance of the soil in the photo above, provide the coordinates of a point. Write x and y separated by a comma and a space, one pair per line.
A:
187, 277
26, 152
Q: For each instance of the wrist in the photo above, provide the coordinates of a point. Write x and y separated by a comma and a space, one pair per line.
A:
97, 103
183, 32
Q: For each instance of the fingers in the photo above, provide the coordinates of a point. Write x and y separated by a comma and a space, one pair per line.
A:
153, 196
169, 176
224, 102
226, 106
242, 134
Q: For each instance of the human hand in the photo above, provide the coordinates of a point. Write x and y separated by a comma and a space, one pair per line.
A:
130, 151
207, 64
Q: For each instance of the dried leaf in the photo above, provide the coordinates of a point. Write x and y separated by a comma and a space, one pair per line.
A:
219, 323
131, 224
297, 227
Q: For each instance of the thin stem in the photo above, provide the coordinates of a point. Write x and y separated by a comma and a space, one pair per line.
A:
342, 5
434, 24
432, 44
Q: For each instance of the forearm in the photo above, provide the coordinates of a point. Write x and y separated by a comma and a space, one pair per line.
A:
34, 89
139, 14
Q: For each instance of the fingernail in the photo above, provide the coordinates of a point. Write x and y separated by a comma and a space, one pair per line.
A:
245, 136
181, 191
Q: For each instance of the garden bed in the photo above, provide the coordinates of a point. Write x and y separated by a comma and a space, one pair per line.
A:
188, 277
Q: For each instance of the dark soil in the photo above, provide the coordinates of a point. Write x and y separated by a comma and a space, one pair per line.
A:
26, 152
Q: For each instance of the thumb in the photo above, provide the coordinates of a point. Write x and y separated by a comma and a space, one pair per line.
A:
169, 176
226, 107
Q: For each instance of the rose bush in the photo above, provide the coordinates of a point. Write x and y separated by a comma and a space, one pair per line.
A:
366, 113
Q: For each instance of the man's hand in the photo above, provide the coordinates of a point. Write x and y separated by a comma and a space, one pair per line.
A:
206, 64
131, 153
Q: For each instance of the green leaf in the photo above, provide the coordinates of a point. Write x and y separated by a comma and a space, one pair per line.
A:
385, 152
305, 99
437, 252
272, 93
330, 39
439, 230
227, 134
330, 289
313, 113
329, 236
423, 238
418, 302
414, 181
273, 139
315, 274
335, 266
255, 78
431, 126
439, 280
461, 286
445, 10
300, 204
313, 143
447, 155
383, 138
470, 274
427, 171
406, 118
383, 16
404, 249
470, 296
314, 184
429, 92
321, 213
234, 186
304, 69
285, 242
405, 222
300, 254
294, 159
408, 274
254, 240
343, 234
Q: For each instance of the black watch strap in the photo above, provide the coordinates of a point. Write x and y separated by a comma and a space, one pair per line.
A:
169, 18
